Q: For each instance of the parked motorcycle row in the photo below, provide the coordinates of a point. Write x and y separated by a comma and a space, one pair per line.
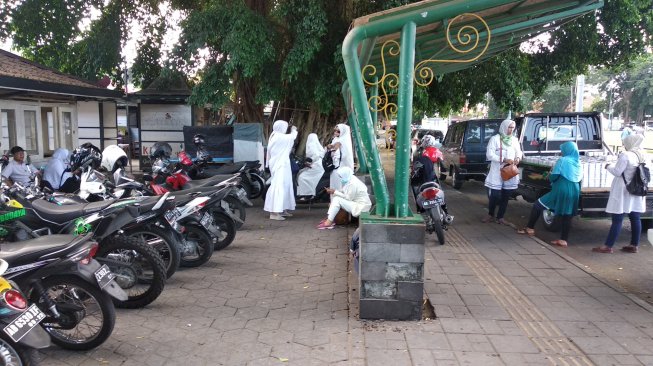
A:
68, 259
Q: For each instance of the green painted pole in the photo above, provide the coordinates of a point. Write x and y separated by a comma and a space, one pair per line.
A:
404, 119
355, 129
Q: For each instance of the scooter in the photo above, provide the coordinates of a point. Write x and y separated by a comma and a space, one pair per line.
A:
71, 289
21, 334
430, 200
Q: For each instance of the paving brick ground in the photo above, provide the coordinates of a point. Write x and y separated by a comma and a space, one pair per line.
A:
279, 295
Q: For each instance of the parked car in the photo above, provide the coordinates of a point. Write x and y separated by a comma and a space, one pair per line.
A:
416, 137
464, 149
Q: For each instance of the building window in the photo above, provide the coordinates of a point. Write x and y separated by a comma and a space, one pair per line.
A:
8, 126
31, 145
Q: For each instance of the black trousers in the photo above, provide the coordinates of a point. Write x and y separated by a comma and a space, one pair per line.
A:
536, 212
499, 197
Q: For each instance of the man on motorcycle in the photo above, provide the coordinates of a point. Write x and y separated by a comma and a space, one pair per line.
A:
17, 170
423, 172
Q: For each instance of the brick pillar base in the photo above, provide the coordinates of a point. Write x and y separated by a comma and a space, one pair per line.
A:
391, 269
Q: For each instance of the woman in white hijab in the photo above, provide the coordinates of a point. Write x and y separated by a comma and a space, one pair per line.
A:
342, 152
502, 148
280, 196
352, 197
55, 171
621, 202
308, 178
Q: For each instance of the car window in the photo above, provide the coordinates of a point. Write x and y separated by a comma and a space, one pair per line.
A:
491, 129
473, 135
458, 133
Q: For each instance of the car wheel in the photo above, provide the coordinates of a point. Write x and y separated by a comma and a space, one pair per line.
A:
456, 179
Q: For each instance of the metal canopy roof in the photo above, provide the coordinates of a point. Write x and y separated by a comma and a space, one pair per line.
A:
509, 23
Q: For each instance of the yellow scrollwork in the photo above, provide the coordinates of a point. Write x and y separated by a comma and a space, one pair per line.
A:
386, 80
468, 39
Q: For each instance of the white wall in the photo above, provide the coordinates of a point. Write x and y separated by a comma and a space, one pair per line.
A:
164, 122
88, 122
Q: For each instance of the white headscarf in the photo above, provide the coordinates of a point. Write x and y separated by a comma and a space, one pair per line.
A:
56, 166
345, 173
313, 146
632, 143
503, 131
277, 144
346, 150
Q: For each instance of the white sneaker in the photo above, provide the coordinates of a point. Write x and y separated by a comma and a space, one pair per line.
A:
276, 216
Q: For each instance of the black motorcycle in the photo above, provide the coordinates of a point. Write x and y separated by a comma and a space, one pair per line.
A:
21, 334
320, 196
431, 204
72, 290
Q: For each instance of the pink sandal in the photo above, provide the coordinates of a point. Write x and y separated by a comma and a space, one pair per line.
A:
324, 226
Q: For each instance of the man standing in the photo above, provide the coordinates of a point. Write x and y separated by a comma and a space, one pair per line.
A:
18, 171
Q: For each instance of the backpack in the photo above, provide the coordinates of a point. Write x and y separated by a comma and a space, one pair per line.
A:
638, 186
327, 161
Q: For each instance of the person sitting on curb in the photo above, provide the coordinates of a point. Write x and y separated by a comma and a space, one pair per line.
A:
352, 197
18, 171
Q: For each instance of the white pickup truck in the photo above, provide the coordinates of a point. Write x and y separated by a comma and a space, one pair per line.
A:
541, 135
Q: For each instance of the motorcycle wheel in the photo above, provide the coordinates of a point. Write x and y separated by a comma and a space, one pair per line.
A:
238, 209
87, 315
227, 227
15, 354
163, 242
436, 217
258, 185
203, 243
143, 274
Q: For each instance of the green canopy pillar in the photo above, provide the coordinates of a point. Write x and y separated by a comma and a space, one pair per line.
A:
404, 119
355, 130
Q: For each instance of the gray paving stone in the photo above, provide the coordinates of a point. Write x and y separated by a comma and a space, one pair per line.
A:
599, 345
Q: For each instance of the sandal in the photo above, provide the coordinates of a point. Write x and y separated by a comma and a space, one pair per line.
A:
527, 231
488, 219
630, 249
503, 222
559, 243
602, 249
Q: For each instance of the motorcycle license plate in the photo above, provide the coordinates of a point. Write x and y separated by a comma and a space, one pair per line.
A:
25, 322
430, 203
104, 276
171, 216
207, 220
242, 193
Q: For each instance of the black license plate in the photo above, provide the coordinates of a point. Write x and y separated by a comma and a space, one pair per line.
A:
104, 276
25, 322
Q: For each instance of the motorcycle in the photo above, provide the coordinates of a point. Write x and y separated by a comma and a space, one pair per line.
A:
21, 334
321, 195
430, 200
70, 288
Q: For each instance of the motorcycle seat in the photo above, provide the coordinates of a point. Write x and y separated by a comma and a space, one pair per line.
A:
206, 182
225, 169
429, 185
29, 251
61, 214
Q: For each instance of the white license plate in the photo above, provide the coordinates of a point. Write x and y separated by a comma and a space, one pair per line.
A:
104, 276
207, 220
430, 203
225, 206
25, 322
242, 193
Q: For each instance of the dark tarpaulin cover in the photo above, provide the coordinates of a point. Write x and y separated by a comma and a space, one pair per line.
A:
248, 132
219, 140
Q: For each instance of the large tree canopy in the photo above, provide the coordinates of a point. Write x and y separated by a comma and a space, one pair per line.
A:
248, 52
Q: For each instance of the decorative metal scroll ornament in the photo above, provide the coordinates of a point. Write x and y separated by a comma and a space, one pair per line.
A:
468, 38
387, 80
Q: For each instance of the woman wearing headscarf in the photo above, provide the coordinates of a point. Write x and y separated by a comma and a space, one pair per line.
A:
342, 152
280, 196
621, 202
503, 148
307, 179
352, 197
563, 198
55, 172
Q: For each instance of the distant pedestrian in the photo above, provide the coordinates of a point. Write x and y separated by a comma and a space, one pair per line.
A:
352, 197
280, 196
564, 195
503, 148
621, 202
342, 152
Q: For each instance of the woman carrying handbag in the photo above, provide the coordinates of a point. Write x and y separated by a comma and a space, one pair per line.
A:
504, 153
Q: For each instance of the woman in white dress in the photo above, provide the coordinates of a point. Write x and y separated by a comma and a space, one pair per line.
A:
308, 178
342, 152
621, 202
280, 196
503, 148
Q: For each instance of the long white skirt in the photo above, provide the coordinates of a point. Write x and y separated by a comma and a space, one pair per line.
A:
307, 179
